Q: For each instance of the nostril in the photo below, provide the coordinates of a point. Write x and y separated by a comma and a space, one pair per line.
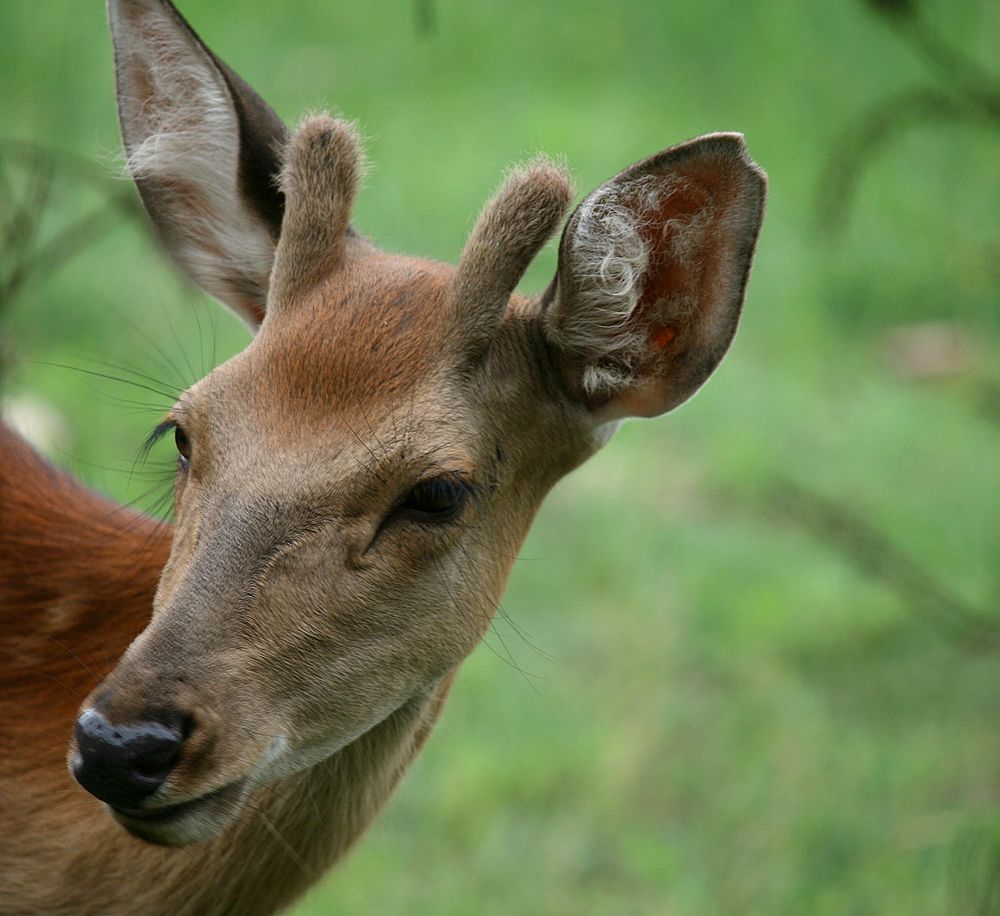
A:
156, 763
156, 755
124, 763
180, 722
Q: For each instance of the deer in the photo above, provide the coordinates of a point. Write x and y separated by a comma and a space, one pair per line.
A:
351, 489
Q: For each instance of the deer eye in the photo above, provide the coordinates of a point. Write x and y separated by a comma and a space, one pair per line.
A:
183, 448
436, 499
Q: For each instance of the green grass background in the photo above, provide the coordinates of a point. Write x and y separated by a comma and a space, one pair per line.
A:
716, 712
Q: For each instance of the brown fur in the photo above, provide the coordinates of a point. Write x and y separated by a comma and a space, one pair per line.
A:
307, 614
510, 231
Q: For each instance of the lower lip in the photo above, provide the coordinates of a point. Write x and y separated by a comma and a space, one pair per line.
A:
170, 812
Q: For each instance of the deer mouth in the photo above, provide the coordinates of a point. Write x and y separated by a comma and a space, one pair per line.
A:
188, 821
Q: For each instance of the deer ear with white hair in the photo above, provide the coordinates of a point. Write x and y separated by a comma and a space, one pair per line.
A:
652, 270
204, 150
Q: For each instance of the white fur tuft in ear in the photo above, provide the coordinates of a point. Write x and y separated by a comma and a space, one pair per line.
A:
608, 257
608, 253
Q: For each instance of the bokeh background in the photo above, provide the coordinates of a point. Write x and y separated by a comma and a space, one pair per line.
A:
749, 660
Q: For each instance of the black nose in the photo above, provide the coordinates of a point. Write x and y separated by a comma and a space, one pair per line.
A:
124, 764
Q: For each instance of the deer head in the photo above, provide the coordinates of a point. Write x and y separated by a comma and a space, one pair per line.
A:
352, 488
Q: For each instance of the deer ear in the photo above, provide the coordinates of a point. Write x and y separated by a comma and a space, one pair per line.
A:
652, 271
204, 150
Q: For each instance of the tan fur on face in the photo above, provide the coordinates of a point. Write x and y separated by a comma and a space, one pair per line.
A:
388, 303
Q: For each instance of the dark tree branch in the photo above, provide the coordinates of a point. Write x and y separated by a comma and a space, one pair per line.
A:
858, 145
972, 94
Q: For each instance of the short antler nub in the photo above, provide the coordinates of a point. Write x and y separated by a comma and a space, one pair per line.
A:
323, 165
510, 231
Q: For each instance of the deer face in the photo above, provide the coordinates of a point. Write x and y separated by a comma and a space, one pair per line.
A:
352, 488
346, 519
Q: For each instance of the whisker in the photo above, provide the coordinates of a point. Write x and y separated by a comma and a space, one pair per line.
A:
104, 375
132, 371
63, 645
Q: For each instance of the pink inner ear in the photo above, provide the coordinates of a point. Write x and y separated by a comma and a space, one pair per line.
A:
679, 232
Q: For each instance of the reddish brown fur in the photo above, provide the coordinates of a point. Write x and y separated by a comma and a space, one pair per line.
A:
392, 354
66, 556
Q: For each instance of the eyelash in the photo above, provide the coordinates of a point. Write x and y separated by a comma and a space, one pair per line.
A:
434, 500
159, 431
180, 439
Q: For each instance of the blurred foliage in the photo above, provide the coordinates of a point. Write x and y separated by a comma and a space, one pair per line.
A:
717, 708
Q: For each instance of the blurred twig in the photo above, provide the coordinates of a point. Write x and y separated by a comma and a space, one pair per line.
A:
989, 400
875, 555
966, 74
28, 175
425, 17
857, 146
971, 93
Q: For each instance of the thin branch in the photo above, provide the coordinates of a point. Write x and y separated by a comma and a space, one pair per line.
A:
873, 554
